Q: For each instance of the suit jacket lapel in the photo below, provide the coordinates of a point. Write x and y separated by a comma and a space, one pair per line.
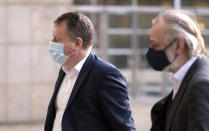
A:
81, 77
51, 109
58, 83
172, 109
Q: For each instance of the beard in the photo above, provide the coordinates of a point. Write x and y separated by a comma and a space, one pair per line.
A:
172, 67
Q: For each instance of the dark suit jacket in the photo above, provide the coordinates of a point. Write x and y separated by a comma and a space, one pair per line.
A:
98, 102
189, 111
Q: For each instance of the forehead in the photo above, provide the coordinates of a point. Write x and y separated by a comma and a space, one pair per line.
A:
157, 34
157, 31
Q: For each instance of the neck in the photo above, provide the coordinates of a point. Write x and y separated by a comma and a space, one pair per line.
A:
75, 59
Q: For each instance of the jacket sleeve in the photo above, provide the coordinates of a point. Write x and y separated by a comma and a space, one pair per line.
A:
114, 102
198, 107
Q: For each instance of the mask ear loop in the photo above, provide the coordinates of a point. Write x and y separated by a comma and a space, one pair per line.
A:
68, 43
171, 43
174, 58
71, 54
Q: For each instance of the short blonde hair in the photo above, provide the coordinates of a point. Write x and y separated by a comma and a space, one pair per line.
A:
181, 23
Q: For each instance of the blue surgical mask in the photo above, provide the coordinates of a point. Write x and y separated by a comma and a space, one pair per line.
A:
56, 51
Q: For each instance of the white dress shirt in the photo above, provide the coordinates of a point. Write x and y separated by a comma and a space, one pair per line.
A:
65, 92
178, 76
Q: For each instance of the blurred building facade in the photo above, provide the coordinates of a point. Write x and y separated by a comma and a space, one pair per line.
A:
122, 27
27, 73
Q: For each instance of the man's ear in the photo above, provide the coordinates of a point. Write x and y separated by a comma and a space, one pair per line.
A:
79, 43
180, 45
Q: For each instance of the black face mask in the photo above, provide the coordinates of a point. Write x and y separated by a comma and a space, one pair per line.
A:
158, 59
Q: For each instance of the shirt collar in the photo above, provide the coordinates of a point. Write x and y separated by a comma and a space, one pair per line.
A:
180, 74
79, 66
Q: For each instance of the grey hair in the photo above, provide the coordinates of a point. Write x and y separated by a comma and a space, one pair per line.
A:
183, 24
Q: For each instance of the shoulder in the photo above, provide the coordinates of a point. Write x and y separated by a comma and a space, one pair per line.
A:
105, 71
198, 91
102, 67
199, 83
201, 72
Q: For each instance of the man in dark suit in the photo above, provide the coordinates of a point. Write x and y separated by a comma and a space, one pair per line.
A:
177, 46
90, 94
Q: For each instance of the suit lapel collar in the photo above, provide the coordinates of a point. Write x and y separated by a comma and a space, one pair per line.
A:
81, 77
174, 105
58, 83
177, 99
